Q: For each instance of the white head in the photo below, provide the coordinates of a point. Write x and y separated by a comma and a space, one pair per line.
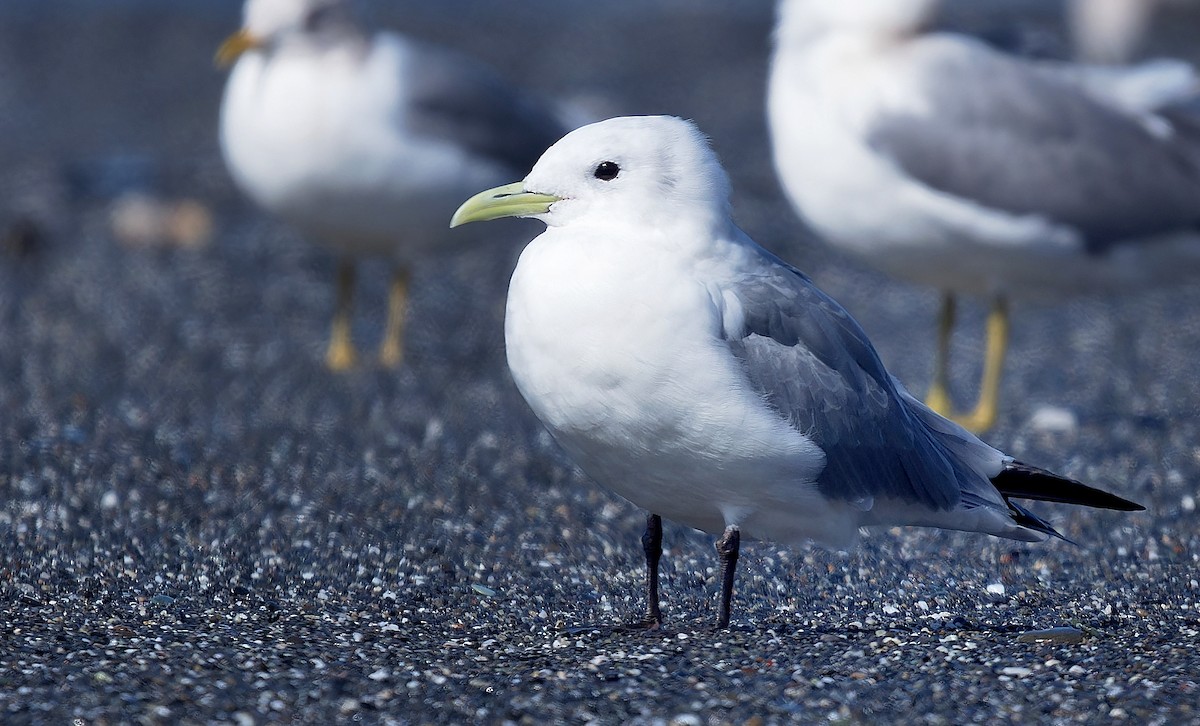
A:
885, 17
267, 19
266, 23
632, 168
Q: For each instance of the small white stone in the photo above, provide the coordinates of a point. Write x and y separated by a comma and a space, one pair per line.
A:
1188, 503
1054, 420
1016, 671
996, 588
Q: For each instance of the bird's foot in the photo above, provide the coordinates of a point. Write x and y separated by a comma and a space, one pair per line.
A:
977, 421
938, 399
340, 357
391, 354
643, 625
980, 420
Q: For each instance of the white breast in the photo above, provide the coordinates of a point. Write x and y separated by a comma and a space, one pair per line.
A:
619, 355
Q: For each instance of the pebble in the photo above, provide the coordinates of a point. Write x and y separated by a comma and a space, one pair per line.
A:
1062, 634
1054, 420
315, 529
142, 220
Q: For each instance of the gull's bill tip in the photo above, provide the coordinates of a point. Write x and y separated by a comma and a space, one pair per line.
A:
510, 200
234, 46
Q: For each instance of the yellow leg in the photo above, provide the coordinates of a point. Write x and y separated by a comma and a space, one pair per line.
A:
988, 408
938, 397
391, 352
341, 356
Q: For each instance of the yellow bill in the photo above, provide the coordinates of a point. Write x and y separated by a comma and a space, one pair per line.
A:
234, 46
510, 200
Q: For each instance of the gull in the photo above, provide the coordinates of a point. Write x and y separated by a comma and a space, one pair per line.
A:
1108, 31
944, 162
705, 380
366, 141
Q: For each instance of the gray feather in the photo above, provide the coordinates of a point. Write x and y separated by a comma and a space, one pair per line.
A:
813, 364
1011, 138
461, 101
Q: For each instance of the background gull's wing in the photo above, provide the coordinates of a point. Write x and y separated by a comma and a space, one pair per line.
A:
453, 98
1009, 137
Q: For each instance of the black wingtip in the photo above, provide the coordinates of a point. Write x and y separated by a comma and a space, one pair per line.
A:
1029, 520
1021, 481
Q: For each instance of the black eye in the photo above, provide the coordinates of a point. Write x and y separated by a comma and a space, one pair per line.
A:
606, 171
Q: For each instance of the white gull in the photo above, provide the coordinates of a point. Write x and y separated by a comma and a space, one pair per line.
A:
705, 380
944, 162
365, 141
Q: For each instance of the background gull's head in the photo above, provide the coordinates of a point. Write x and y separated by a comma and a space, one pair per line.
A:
267, 23
271, 19
806, 17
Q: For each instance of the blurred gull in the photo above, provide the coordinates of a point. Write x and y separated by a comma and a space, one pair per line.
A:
1108, 31
366, 142
703, 379
1105, 35
947, 163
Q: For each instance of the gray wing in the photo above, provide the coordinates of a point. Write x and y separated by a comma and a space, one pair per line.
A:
813, 363
454, 98
1012, 138
1145, 87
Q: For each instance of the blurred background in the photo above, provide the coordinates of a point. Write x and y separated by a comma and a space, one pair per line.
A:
167, 426
109, 154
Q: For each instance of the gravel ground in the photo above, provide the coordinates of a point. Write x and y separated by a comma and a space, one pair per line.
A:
199, 523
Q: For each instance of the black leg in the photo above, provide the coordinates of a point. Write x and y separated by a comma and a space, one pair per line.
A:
652, 546
727, 551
